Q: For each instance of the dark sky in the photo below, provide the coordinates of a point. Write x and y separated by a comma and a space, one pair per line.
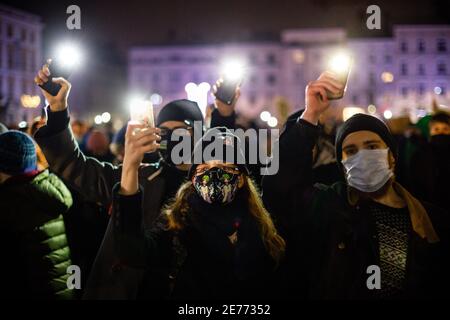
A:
134, 22
110, 27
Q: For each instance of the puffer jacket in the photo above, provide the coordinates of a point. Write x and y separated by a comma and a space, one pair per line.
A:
35, 252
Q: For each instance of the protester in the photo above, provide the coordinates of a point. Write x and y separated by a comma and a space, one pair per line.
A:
33, 239
95, 180
97, 146
335, 233
430, 166
215, 240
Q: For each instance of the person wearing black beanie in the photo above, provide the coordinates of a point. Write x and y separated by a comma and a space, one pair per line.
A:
220, 238
95, 180
365, 238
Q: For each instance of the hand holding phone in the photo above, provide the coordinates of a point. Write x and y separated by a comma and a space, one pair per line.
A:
55, 71
226, 90
231, 79
57, 102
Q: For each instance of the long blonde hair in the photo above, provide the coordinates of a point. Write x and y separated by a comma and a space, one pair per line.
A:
178, 209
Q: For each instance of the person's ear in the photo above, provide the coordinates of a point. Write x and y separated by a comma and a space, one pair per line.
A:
391, 160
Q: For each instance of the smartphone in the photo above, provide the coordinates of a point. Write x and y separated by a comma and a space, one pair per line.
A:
227, 90
342, 77
142, 112
56, 70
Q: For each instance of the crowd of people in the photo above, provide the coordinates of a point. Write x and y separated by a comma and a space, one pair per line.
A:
142, 227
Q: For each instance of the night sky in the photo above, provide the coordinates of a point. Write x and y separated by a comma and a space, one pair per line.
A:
109, 28
133, 22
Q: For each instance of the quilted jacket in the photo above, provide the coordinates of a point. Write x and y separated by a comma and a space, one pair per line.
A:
35, 252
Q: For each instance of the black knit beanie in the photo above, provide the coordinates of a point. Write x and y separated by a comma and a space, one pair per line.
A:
186, 111
230, 143
360, 122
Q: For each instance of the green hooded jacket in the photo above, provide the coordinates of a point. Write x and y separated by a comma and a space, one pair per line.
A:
33, 240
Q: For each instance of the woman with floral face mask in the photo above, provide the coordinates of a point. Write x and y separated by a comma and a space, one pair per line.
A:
214, 240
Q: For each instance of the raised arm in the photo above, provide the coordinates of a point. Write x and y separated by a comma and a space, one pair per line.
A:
129, 237
283, 191
93, 179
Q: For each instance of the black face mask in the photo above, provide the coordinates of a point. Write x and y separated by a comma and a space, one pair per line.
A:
167, 144
441, 141
217, 186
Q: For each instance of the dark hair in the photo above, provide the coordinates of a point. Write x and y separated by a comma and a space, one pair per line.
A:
178, 209
440, 117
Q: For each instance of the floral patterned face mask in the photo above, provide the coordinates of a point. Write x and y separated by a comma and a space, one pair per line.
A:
217, 185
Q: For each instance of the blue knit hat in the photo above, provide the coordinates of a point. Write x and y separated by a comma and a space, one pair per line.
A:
17, 153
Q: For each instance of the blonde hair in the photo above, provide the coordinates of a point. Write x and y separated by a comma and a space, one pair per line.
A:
178, 210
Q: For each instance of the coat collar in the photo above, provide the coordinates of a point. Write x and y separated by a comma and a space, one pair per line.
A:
421, 222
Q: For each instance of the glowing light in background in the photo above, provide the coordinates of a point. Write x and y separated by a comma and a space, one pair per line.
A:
437, 90
29, 101
156, 99
272, 122
22, 124
298, 56
265, 116
372, 109
106, 117
98, 119
387, 114
349, 112
199, 94
387, 77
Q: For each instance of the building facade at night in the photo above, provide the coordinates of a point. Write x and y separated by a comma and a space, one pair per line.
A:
402, 73
20, 54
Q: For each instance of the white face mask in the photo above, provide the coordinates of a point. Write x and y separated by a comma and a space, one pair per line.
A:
368, 170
